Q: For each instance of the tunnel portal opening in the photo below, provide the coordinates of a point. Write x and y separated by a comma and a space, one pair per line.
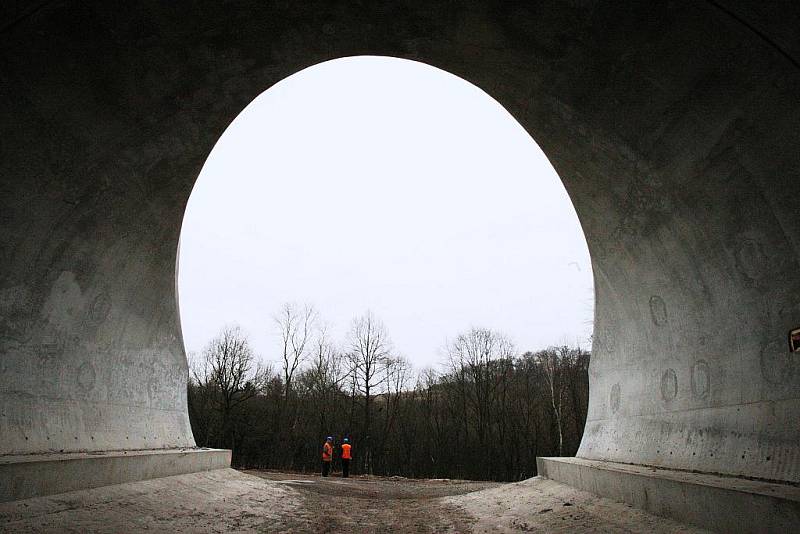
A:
386, 186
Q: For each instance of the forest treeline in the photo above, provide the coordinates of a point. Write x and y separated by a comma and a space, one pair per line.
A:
486, 414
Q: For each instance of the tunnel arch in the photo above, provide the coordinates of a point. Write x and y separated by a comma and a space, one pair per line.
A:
255, 180
672, 126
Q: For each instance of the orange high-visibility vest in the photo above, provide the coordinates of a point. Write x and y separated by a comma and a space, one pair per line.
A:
346, 451
327, 452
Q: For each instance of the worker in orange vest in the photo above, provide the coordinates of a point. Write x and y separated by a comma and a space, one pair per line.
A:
346, 457
327, 456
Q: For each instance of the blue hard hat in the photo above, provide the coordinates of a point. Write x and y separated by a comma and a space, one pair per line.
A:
346, 440
330, 438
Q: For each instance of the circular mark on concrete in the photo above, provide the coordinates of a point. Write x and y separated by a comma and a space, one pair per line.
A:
751, 258
100, 307
614, 398
778, 365
700, 379
86, 376
658, 310
669, 385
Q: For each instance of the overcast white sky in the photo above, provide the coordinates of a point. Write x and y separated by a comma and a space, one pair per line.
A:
389, 185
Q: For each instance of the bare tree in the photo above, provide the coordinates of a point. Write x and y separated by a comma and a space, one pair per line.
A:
229, 368
296, 326
200, 399
549, 360
398, 374
480, 360
369, 357
324, 376
325, 370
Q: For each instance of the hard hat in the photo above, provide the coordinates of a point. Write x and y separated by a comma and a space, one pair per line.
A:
346, 440
330, 438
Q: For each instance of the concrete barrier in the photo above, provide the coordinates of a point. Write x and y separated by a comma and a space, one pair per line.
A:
27, 476
717, 503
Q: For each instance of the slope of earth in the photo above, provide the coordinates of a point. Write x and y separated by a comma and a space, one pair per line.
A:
223, 500
258, 501
541, 505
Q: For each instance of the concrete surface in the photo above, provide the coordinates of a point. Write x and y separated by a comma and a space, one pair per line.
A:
716, 503
225, 500
33, 475
673, 125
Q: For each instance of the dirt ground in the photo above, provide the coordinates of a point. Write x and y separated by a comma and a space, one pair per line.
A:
227, 501
377, 504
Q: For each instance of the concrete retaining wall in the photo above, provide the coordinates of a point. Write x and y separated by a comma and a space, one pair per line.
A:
720, 504
22, 477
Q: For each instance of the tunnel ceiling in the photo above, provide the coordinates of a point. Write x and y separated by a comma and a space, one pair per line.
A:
674, 127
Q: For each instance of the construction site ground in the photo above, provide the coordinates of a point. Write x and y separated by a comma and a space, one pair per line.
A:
226, 501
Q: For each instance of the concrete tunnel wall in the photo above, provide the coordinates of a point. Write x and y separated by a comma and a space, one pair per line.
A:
674, 127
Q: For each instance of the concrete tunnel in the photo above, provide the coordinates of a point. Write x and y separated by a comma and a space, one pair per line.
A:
674, 126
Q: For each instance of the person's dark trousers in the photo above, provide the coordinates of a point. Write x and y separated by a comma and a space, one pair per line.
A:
326, 468
345, 467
